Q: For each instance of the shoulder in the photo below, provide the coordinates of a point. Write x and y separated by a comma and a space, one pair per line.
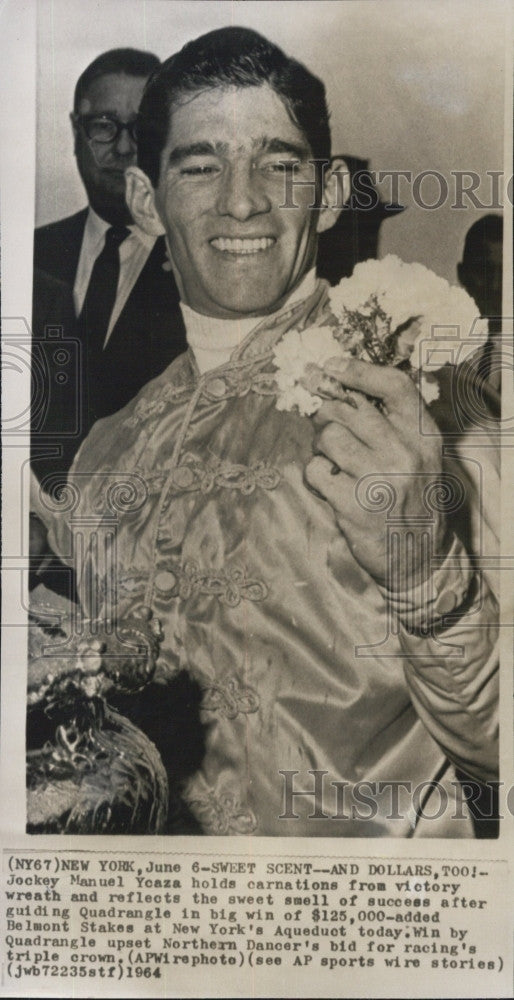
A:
57, 246
55, 232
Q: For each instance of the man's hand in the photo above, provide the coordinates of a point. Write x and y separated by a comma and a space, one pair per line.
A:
387, 447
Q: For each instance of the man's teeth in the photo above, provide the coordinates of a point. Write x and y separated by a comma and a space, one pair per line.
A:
242, 246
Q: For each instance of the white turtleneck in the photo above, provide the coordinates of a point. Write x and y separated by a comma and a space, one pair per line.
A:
213, 340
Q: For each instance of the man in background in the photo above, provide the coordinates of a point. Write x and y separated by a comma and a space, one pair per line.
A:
480, 270
480, 273
127, 325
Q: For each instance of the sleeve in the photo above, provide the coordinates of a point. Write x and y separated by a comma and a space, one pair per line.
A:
449, 626
452, 671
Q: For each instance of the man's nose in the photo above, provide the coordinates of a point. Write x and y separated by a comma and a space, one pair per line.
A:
241, 192
124, 143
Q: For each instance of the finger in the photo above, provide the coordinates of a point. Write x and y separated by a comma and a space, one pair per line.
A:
344, 450
392, 386
338, 490
320, 384
364, 420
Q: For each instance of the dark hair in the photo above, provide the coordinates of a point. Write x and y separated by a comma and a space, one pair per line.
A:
488, 229
132, 62
230, 57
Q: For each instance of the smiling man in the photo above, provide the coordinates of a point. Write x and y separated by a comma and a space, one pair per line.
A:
324, 665
235, 250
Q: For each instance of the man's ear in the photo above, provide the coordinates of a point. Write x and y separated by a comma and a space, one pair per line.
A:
336, 192
140, 197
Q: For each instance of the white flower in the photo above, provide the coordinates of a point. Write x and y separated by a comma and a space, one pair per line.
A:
296, 353
387, 312
447, 340
297, 348
296, 395
448, 328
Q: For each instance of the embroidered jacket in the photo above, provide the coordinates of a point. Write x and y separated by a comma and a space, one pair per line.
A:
311, 684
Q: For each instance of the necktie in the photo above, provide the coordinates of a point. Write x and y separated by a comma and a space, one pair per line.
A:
101, 292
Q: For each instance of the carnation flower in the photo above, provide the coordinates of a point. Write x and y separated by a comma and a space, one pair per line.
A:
296, 353
389, 313
445, 315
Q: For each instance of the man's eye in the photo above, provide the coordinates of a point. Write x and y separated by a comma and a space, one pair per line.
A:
280, 166
102, 124
199, 170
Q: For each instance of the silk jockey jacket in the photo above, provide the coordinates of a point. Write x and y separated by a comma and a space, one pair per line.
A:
311, 681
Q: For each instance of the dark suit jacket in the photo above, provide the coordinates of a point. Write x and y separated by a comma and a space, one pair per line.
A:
148, 334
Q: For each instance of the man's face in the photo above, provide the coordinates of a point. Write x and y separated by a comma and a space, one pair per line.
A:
483, 279
234, 250
486, 280
102, 165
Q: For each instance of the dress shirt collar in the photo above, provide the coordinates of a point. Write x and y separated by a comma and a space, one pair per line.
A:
96, 228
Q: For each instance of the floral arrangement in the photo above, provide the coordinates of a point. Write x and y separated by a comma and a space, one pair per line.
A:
90, 769
387, 313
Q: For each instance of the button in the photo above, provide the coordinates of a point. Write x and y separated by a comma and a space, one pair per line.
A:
183, 477
447, 601
217, 388
165, 581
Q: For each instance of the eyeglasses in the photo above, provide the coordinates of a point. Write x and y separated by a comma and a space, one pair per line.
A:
102, 128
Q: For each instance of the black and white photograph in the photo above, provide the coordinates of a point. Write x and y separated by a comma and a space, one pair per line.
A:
263, 587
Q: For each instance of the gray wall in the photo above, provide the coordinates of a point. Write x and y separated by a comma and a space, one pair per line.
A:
412, 84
